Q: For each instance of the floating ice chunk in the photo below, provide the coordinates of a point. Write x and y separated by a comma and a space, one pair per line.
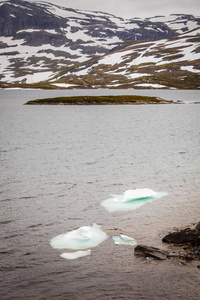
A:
83, 233
124, 240
131, 199
77, 254
82, 238
130, 195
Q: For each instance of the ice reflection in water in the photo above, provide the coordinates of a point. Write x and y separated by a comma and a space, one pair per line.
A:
131, 199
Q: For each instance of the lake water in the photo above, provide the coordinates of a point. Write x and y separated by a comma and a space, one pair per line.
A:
59, 162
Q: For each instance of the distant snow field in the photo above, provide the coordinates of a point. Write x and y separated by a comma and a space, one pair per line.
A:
153, 85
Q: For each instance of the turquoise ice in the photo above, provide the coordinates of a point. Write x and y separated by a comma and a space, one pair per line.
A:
82, 238
131, 199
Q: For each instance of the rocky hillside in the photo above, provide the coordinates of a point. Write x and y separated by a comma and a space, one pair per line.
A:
172, 63
51, 46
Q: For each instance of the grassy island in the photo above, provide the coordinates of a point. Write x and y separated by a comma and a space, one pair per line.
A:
98, 100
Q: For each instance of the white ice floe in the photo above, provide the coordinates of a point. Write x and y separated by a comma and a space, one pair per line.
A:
82, 238
131, 199
130, 195
75, 255
124, 240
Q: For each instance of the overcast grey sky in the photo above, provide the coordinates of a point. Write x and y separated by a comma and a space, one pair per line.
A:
134, 8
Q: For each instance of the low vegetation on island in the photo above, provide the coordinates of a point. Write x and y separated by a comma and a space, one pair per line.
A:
98, 100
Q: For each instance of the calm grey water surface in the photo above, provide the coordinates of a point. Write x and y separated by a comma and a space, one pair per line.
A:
59, 162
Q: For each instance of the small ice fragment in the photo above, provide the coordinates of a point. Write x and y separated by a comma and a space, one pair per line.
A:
124, 240
82, 238
77, 254
137, 194
125, 237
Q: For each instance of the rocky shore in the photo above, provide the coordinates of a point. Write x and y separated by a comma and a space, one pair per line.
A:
184, 245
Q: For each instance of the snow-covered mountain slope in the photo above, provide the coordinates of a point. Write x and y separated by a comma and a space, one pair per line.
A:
171, 63
40, 40
178, 22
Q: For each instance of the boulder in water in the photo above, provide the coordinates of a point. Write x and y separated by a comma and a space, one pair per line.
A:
147, 251
188, 235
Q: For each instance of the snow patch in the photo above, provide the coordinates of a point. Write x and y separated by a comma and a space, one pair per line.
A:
38, 30
162, 70
153, 85
190, 69
78, 35
35, 77
63, 85
64, 13
137, 75
115, 58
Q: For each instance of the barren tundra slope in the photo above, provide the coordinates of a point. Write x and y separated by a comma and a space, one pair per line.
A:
171, 63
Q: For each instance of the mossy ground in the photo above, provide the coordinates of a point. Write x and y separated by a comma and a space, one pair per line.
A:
97, 100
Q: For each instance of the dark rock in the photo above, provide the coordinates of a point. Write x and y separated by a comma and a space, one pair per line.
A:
147, 251
198, 226
187, 241
26, 15
184, 236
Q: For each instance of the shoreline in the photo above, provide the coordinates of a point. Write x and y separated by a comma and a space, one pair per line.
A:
183, 245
